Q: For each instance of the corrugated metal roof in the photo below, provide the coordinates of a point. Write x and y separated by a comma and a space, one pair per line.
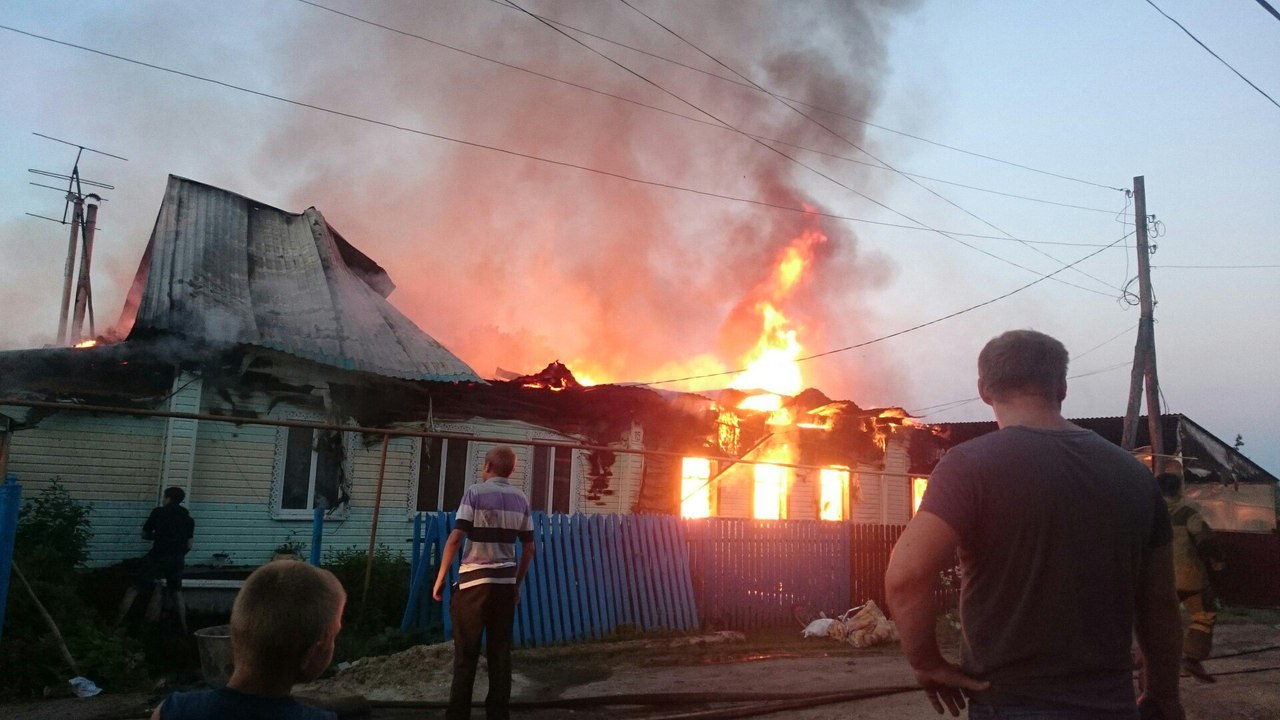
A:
223, 268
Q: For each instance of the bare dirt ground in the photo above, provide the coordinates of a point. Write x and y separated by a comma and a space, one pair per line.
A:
1248, 686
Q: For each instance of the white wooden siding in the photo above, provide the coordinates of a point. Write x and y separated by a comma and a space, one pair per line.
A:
180, 434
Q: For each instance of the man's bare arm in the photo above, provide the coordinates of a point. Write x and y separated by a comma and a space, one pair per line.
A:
447, 555
1158, 627
925, 548
527, 550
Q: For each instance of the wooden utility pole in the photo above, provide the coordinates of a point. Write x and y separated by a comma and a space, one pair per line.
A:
1144, 350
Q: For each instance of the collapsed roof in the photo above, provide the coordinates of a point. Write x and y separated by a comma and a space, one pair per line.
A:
221, 268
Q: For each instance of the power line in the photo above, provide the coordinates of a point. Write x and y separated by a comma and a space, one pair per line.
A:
913, 328
944, 407
792, 158
507, 151
846, 140
638, 103
1267, 6
1206, 49
611, 41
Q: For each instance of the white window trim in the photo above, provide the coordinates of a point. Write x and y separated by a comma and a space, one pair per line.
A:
277, 480
415, 463
575, 468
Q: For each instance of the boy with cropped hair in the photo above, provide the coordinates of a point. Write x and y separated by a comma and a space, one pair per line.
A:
283, 626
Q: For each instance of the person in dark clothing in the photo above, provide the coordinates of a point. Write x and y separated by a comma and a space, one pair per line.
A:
170, 528
1064, 546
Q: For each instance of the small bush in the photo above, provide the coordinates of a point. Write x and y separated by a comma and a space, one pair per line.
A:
52, 543
371, 628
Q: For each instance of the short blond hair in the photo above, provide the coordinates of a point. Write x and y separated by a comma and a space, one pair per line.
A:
284, 608
501, 460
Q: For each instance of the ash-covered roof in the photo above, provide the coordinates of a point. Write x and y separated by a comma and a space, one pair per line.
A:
222, 268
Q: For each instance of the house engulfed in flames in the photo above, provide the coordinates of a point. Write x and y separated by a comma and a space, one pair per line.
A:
243, 312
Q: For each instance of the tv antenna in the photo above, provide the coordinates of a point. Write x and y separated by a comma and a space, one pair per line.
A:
83, 210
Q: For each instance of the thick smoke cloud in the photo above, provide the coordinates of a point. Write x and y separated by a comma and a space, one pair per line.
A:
513, 263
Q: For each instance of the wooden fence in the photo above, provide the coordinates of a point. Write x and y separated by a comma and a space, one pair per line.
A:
750, 574
592, 575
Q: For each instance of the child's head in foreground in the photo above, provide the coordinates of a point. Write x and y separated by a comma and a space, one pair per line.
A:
285, 620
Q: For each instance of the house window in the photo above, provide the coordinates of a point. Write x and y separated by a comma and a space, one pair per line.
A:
695, 487
918, 485
832, 482
770, 496
442, 474
551, 478
311, 471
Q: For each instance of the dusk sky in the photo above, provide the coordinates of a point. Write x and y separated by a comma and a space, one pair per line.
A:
624, 216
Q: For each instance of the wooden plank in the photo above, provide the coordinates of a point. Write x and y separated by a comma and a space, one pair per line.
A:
666, 584
569, 600
590, 578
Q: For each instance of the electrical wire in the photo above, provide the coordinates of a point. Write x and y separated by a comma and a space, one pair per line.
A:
655, 108
944, 407
850, 142
502, 150
1267, 6
1219, 58
504, 4
882, 338
793, 159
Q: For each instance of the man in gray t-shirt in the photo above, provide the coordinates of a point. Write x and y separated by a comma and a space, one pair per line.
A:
1064, 550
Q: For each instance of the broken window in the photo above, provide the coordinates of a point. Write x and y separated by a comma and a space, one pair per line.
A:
551, 479
442, 474
311, 471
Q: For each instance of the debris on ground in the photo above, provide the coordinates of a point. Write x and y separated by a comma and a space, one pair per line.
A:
862, 627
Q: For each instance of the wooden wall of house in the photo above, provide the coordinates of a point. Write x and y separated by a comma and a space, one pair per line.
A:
119, 465
111, 462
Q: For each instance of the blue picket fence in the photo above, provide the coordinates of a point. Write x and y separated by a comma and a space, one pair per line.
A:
592, 575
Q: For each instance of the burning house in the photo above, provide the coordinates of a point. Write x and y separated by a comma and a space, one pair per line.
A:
263, 370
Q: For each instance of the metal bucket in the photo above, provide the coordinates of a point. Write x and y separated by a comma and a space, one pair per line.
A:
214, 644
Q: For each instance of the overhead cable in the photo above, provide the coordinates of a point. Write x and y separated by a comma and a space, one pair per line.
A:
791, 158
944, 407
913, 328
655, 108
837, 113
1219, 58
507, 151
849, 142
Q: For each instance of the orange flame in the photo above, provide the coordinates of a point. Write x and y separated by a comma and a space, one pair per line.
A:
86, 343
771, 364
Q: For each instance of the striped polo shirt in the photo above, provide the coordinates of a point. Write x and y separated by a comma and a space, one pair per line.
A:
493, 515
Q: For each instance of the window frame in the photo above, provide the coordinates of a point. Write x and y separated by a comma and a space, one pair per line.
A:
415, 465
279, 468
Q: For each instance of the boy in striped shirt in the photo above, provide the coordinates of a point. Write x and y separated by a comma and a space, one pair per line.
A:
491, 517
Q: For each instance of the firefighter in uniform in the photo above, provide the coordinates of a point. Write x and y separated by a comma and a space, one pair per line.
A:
1193, 549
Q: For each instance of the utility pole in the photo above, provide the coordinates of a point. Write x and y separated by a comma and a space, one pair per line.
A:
84, 293
1144, 350
84, 221
69, 269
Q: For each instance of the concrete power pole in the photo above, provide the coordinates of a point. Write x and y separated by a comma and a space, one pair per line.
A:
84, 292
1144, 350
69, 269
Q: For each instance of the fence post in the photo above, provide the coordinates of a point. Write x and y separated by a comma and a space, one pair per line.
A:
10, 501
317, 532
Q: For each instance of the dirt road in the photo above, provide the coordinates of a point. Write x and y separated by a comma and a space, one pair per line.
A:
1248, 686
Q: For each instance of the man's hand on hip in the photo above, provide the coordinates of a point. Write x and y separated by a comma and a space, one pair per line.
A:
944, 686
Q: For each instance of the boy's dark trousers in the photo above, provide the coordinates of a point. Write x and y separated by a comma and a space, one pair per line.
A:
491, 609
